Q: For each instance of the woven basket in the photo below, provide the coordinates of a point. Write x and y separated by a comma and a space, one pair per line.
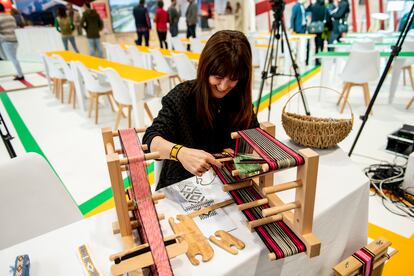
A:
315, 132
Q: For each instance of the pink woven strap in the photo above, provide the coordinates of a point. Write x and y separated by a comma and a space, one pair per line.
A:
366, 258
145, 211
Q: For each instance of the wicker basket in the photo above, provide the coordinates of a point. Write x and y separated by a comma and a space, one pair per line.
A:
315, 132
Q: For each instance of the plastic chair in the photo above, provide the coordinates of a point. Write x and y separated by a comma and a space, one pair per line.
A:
408, 46
363, 45
33, 200
360, 68
162, 65
185, 68
57, 76
69, 77
377, 38
177, 44
96, 89
118, 54
196, 45
81, 94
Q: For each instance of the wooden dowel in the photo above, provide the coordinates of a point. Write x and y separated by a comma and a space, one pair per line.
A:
234, 135
280, 209
383, 259
265, 168
282, 187
271, 256
252, 204
232, 187
225, 159
259, 222
125, 167
155, 198
143, 147
137, 130
147, 156
138, 247
134, 224
210, 208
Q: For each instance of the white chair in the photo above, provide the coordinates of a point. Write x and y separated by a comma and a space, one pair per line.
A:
185, 68
363, 45
255, 51
196, 45
56, 74
142, 60
119, 55
79, 83
377, 38
408, 46
33, 200
360, 68
69, 78
95, 89
177, 44
162, 65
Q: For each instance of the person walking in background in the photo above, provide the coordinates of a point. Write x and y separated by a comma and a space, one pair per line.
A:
161, 20
191, 20
65, 26
298, 19
142, 23
173, 18
92, 24
74, 15
18, 17
327, 34
238, 17
318, 15
340, 17
229, 9
8, 40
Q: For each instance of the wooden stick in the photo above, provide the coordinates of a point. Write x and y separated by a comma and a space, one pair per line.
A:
211, 208
282, 187
252, 204
137, 130
236, 186
259, 222
143, 147
147, 156
265, 168
124, 168
225, 159
234, 135
134, 224
155, 197
280, 209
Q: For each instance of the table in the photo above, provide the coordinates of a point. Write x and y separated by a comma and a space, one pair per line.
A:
340, 222
131, 74
328, 57
194, 57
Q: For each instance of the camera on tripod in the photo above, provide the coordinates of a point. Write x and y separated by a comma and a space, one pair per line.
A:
278, 6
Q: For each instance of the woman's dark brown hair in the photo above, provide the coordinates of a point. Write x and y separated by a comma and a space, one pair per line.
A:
226, 54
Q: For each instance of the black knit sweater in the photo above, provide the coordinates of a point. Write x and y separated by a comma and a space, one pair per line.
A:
178, 123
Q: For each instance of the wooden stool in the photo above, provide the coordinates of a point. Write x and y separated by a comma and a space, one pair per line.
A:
345, 93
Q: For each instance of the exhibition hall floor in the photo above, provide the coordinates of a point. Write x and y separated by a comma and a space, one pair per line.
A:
72, 143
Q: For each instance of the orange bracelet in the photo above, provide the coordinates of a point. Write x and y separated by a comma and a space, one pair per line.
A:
174, 152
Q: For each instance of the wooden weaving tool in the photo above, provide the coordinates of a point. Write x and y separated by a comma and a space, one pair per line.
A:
135, 209
286, 229
369, 260
227, 241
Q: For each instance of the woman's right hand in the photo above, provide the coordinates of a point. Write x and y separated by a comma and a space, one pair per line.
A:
196, 161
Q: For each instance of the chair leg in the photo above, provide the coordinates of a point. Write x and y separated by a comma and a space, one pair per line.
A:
346, 97
344, 88
91, 100
54, 81
366, 93
403, 73
61, 91
118, 116
129, 116
149, 113
73, 94
111, 103
410, 75
96, 108
410, 103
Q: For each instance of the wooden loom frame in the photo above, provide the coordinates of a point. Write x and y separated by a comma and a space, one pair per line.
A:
298, 215
125, 223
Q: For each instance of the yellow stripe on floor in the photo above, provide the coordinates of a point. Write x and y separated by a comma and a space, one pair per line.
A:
402, 263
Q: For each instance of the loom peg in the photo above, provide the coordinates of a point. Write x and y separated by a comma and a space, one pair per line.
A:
143, 147
252, 204
147, 156
134, 224
236, 186
155, 198
259, 222
234, 135
124, 168
271, 256
280, 209
137, 130
265, 168
282, 187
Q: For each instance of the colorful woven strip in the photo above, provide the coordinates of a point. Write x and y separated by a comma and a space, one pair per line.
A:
366, 258
145, 212
277, 236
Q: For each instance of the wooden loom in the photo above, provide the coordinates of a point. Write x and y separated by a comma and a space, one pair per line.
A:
135, 256
297, 215
351, 266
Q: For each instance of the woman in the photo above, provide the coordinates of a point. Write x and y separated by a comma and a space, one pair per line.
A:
65, 26
161, 20
201, 114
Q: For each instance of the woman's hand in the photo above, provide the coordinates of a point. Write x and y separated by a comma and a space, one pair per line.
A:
196, 161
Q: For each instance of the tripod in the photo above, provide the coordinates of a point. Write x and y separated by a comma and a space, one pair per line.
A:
270, 69
395, 50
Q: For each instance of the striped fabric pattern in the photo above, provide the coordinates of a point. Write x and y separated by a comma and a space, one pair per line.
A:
146, 213
366, 258
7, 27
277, 236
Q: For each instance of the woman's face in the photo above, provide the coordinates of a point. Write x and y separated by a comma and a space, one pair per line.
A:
220, 86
